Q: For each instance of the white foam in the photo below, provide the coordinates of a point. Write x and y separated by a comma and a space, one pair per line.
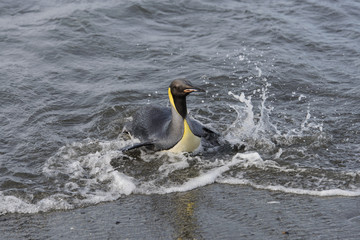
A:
91, 179
171, 167
202, 180
13, 204
322, 193
91, 174
209, 177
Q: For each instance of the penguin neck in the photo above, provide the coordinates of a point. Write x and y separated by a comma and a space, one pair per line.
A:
178, 104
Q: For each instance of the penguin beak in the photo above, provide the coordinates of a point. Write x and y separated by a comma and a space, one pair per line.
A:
193, 89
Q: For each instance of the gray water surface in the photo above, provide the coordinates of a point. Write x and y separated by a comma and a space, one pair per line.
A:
281, 79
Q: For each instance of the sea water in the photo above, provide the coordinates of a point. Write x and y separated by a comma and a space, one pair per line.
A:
281, 81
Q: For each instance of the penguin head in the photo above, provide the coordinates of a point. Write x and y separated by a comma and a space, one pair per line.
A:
182, 88
178, 90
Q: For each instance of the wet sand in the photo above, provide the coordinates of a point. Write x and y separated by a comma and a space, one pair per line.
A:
217, 211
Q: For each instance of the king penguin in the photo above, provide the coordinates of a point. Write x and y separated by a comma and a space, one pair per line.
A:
170, 129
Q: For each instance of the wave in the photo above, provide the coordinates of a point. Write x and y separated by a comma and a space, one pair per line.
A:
93, 178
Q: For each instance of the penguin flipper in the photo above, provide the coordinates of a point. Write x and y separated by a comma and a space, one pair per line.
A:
211, 136
144, 144
204, 132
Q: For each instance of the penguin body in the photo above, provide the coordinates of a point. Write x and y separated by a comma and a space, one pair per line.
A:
170, 129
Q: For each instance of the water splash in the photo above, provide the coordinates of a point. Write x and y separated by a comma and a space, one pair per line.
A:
247, 129
80, 174
257, 131
88, 171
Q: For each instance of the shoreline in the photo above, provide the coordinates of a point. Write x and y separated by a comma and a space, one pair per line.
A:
217, 211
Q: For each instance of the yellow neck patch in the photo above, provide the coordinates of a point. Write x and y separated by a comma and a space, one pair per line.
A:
171, 98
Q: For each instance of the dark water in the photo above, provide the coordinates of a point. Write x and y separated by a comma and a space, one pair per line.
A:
282, 78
